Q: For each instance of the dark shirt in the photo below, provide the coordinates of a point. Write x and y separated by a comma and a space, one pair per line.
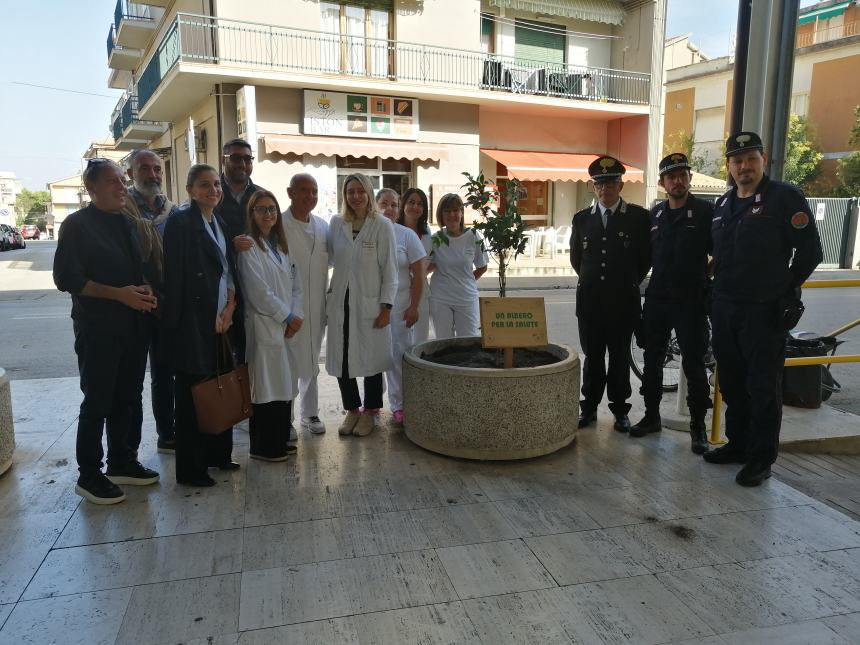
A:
766, 245
680, 245
234, 212
103, 248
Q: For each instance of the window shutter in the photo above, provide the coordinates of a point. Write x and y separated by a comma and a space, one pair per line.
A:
539, 41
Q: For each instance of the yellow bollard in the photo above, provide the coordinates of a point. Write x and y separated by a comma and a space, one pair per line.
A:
716, 439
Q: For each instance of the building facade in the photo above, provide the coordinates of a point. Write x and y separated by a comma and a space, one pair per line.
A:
824, 89
10, 186
411, 92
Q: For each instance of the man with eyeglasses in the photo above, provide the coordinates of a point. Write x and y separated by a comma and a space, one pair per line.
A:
611, 253
99, 262
149, 209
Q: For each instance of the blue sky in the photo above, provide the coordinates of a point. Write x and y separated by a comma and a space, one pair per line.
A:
61, 43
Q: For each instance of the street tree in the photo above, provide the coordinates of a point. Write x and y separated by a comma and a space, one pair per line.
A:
848, 170
32, 207
802, 154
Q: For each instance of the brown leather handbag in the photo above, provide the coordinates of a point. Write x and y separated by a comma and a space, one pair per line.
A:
225, 400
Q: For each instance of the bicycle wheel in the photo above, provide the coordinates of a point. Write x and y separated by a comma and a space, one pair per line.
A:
671, 363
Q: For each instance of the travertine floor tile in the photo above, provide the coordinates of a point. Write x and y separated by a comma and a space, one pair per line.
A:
846, 625
25, 540
82, 619
434, 490
445, 624
464, 524
546, 515
494, 568
806, 633
175, 611
5, 610
139, 562
310, 592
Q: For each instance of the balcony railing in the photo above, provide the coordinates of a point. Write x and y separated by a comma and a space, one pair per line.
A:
131, 10
829, 34
125, 114
111, 40
217, 41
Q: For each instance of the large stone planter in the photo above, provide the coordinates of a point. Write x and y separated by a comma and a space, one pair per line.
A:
7, 430
490, 413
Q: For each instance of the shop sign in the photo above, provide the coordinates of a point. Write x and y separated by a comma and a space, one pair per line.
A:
368, 116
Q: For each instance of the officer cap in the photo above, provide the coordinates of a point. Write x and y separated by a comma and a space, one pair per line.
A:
604, 168
743, 141
673, 162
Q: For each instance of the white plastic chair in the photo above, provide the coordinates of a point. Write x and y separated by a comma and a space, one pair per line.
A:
562, 239
549, 240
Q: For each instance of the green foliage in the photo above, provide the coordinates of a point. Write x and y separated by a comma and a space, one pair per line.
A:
802, 154
504, 233
683, 142
439, 238
32, 206
854, 136
848, 174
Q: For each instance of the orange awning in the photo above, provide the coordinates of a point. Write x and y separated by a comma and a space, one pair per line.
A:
344, 146
551, 166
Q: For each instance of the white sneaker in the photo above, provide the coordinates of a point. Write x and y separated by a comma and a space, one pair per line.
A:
314, 424
294, 436
349, 422
365, 424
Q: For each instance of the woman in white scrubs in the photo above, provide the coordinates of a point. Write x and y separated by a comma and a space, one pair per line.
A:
414, 212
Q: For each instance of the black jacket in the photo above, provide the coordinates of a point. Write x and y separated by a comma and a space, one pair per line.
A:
764, 250
610, 263
192, 272
680, 245
100, 247
234, 213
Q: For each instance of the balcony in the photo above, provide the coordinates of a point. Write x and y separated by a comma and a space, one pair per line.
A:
121, 58
205, 50
828, 35
135, 23
129, 130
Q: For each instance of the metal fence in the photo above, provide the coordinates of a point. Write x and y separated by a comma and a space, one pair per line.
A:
209, 40
133, 10
833, 219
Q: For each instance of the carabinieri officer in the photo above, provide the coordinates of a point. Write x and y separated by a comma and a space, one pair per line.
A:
765, 246
675, 298
611, 253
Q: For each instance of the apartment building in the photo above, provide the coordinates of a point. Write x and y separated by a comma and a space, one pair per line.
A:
824, 88
10, 186
411, 92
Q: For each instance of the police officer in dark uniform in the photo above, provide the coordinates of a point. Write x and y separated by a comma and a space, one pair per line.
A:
675, 298
765, 246
611, 253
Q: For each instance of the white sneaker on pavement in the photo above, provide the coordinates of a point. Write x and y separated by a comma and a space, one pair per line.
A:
313, 424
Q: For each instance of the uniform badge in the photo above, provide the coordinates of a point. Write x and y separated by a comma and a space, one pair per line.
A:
654, 228
606, 163
800, 220
756, 211
584, 244
742, 139
677, 158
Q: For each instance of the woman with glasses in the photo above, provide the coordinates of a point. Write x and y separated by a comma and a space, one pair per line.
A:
414, 213
359, 302
273, 314
457, 261
411, 273
200, 294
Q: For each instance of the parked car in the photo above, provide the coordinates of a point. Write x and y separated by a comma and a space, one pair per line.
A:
31, 232
7, 238
18, 239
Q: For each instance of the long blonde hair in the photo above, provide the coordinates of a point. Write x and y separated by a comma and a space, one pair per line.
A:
346, 211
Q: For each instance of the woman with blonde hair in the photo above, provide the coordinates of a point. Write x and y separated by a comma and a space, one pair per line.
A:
272, 291
359, 302
457, 262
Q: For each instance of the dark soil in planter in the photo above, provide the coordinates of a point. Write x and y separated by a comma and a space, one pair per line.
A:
477, 356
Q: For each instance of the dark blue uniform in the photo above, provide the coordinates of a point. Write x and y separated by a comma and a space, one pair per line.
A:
610, 263
765, 247
675, 299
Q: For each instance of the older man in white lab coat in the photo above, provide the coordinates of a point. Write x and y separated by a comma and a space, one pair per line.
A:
307, 235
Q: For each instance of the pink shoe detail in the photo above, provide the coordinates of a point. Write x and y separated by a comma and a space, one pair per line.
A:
398, 417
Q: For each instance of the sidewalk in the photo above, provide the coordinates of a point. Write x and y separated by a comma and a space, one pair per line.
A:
373, 540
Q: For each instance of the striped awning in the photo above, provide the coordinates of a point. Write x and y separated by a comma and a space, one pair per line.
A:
822, 13
343, 146
608, 11
551, 166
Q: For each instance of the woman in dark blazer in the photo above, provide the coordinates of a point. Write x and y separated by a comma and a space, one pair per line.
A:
200, 300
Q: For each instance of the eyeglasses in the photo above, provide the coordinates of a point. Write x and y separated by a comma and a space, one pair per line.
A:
237, 158
265, 210
605, 182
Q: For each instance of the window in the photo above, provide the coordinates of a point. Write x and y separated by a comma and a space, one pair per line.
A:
357, 40
488, 35
383, 173
539, 41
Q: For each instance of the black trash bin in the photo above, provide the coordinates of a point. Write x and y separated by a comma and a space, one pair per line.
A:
803, 386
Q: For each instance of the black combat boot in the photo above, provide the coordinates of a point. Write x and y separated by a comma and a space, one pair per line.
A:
698, 434
651, 422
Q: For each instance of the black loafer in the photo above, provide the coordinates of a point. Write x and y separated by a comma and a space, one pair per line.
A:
648, 424
724, 455
203, 482
229, 465
622, 423
753, 474
587, 418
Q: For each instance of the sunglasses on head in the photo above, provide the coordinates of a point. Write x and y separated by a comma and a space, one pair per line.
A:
96, 160
236, 158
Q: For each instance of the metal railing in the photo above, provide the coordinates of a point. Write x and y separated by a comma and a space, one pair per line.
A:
125, 114
132, 10
217, 41
831, 33
111, 40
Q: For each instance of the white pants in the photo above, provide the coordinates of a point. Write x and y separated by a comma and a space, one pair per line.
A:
309, 393
421, 329
450, 321
402, 338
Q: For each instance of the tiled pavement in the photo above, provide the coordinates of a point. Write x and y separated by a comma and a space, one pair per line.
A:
374, 540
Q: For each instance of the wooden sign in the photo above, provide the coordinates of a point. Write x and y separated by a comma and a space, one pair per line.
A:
513, 322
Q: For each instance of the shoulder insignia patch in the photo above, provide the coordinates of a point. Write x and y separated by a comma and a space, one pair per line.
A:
800, 220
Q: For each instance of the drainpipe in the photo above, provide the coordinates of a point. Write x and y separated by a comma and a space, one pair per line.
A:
785, 74
655, 143
740, 75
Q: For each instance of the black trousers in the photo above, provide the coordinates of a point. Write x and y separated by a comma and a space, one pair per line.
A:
749, 345
269, 428
161, 389
111, 369
196, 451
349, 386
597, 336
687, 317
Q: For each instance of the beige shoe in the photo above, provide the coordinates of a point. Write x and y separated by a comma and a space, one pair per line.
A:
365, 424
349, 422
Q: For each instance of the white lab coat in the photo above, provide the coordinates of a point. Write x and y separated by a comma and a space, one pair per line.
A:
311, 259
367, 267
272, 291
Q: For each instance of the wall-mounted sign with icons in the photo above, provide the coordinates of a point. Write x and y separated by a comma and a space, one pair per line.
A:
360, 115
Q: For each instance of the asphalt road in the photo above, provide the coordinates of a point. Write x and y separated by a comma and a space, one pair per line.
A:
36, 336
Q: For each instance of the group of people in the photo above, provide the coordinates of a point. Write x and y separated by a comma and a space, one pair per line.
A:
763, 245
229, 277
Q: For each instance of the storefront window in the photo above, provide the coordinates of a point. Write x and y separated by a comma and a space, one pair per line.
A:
384, 173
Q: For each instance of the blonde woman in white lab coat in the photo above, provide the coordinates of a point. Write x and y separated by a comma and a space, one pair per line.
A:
359, 302
272, 290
